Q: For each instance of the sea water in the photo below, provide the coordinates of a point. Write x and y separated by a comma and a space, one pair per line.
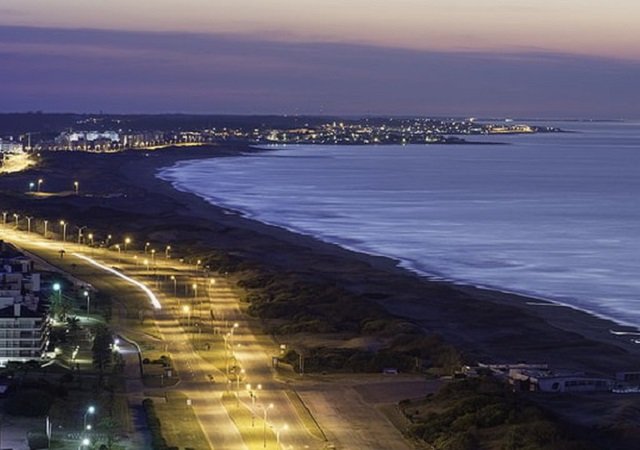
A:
552, 215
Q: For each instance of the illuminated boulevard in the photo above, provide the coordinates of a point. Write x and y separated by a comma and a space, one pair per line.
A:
170, 314
196, 313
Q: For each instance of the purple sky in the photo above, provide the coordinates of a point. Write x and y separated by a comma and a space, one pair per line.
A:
78, 70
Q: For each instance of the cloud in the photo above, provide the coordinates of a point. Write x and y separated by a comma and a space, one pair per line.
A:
87, 70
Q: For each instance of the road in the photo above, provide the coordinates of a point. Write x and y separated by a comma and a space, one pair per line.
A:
124, 272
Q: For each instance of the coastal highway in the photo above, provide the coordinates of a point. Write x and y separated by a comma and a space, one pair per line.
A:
125, 273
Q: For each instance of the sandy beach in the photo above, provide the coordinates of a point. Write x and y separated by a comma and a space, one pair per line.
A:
119, 193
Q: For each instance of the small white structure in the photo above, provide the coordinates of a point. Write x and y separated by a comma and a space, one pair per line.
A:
549, 381
11, 148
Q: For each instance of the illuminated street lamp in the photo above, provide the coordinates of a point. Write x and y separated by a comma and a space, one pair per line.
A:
127, 241
153, 256
16, 216
231, 333
4, 217
31, 186
84, 444
64, 230
108, 240
76, 187
264, 425
175, 285
146, 263
90, 235
166, 251
146, 246
28, 223
58, 289
88, 297
90, 410
80, 233
254, 397
40, 180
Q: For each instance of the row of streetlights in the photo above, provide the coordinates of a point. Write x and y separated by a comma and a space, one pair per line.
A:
86, 427
63, 224
81, 234
265, 409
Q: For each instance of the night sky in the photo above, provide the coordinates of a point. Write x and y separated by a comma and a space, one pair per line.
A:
572, 58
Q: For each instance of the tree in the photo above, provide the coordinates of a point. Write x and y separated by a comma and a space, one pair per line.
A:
110, 427
102, 349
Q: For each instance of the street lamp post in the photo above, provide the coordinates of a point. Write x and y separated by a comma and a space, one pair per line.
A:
76, 187
226, 351
231, 333
127, 241
90, 238
80, 233
254, 397
88, 297
64, 230
166, 251
90, 410
46, 224
153, 256
146, 246
40, 180
175, 285
84, 444
108, 240
264, 424
28, 223
239, 373
4, 217
58, 289
16, 216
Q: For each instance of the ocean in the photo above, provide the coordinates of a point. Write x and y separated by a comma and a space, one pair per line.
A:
556, 216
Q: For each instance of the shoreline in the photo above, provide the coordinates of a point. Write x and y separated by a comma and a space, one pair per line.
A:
399, 262
488, 325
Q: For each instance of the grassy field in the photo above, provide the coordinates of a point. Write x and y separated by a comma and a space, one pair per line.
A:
305, 415
180, 426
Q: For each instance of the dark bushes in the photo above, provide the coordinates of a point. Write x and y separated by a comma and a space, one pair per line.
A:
483, 413
29, 403
158, 442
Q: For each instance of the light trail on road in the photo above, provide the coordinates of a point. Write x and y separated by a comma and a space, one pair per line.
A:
152, 297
